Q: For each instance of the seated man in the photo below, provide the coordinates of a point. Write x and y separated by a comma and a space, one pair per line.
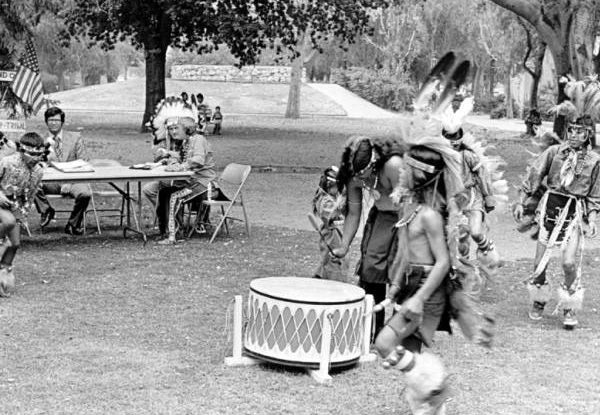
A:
64, 146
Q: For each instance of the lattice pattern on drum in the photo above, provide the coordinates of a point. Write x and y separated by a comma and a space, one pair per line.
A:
288, 331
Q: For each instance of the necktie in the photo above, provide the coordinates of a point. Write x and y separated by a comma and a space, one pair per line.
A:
58, 148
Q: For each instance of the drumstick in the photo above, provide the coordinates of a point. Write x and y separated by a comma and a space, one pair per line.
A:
313, 221
379, 307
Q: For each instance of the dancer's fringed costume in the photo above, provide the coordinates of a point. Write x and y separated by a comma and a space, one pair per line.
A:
527, 223
484, 186
572, 197
433, 180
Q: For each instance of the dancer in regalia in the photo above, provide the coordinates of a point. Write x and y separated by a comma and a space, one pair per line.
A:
477, 172
572, 199
20, 176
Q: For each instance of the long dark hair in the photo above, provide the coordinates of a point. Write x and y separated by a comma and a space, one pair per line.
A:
423, 180
357, 155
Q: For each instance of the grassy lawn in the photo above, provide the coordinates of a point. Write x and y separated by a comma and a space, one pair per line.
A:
106, 325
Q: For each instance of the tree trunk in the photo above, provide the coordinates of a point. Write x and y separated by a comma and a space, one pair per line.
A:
492, 78
156, 56
537, 75
508, 94
477, 83
554, 25
293, 104
61, 80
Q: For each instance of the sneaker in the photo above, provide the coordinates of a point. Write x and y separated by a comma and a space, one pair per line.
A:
167, 241
537, 310
570, 319
72, 230
47, 217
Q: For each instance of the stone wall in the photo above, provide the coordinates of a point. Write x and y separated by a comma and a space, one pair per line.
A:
228, 73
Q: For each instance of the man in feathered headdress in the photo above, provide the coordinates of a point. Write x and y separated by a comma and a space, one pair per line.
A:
570, 171
478, 171
176, 121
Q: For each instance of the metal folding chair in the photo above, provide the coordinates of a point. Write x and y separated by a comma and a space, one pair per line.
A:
233, 177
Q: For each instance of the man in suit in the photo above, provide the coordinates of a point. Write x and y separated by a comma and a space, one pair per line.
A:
64, 146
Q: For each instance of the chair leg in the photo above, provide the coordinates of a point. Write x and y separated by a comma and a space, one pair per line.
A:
246, 220
225, 223
93, 202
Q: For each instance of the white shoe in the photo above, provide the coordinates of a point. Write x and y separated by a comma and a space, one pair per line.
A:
7, 282
570, 319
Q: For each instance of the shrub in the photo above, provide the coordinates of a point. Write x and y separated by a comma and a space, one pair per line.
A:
377, 87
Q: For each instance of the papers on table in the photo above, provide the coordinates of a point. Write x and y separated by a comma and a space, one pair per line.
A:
146, 166
75, 166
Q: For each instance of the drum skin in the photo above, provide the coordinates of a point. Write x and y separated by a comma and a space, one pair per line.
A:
286, 316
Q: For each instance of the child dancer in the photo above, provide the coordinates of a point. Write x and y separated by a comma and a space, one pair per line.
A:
20, 177
327, 205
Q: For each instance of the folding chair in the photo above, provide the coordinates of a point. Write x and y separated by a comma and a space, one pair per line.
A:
67, 211
234, 176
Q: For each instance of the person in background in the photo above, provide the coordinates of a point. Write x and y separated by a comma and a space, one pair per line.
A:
532, 123
20, 176
217, 119
64, 146
327, 205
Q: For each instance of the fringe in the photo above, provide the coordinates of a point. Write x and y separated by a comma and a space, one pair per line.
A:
541, 294
570, 301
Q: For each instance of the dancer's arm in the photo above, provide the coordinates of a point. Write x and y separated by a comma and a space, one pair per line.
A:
352, 219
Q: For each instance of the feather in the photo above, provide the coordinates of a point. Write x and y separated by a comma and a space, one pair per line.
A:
452, 121
566, 108
450, 88
169, 108
435, 77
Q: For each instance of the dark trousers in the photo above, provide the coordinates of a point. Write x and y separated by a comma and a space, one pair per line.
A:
217, 129
80, 192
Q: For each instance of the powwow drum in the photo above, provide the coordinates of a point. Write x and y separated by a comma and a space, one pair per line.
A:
286, 317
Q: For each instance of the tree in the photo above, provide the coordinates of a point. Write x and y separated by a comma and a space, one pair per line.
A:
154, 25
554, 22
17, 19
536, 49
301, 27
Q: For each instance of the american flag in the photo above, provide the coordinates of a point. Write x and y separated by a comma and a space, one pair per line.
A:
27, 84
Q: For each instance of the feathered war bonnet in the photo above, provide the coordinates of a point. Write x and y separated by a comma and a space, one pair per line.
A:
583, 106
171, 111
452, 121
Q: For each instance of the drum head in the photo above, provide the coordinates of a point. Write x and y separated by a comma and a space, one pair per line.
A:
307, 290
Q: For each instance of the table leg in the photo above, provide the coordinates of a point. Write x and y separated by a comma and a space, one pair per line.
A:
127, 195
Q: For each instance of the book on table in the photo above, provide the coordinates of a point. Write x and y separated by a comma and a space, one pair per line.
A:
75, 166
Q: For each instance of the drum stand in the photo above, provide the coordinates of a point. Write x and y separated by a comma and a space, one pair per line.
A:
321, 375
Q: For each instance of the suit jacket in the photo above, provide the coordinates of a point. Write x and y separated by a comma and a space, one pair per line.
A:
73, 147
